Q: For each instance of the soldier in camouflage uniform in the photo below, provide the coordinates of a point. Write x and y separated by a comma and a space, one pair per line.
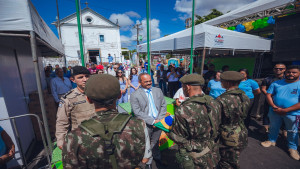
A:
87, 147
233, 133
195, 126
73, 107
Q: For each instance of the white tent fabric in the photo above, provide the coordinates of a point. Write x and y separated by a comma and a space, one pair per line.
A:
257, 6
21, 15
210, 37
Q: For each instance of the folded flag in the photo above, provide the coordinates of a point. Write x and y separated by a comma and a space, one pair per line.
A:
165, 124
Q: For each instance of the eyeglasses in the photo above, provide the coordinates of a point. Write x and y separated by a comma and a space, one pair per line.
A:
279, 68
120, 72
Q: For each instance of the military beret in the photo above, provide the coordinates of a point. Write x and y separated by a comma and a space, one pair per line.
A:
102, 87
76, 70
232, 76
192, 79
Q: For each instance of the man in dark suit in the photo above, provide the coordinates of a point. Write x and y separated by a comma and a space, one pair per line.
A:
148, 104
162, 79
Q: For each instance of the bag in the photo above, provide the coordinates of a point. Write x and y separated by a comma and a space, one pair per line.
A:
106, 130
230, 134
184, 160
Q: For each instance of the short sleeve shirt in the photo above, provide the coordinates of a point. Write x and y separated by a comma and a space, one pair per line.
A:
285, 94
216, 88
2, 144
269, 80
172, 77
248, 86
180, 95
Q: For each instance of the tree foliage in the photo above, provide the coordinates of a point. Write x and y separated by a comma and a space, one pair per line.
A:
213, 14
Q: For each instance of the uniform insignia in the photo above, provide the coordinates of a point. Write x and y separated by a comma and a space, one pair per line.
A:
65, 95
80, 102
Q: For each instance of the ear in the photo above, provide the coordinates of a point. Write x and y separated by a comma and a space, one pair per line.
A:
120, 95
72, 79
89, 100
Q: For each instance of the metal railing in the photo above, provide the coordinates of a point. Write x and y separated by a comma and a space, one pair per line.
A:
13, 120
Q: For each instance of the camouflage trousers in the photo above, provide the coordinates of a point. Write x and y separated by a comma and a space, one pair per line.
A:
229, 158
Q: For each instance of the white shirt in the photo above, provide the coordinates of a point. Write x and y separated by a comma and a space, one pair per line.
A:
180, 95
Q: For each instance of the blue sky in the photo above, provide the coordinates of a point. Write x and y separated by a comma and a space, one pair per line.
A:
167, 15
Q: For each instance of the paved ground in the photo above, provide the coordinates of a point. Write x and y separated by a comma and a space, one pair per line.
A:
254, 156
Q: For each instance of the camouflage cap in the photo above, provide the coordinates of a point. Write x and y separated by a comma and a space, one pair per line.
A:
102, 87
192, 79
232, 76
76, 70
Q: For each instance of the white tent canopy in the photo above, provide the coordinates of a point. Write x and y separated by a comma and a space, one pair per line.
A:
21, 15
247, 10
209, 37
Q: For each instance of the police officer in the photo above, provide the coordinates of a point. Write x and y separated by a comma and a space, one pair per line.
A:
233, 133
109, 139
195, 126
73, 107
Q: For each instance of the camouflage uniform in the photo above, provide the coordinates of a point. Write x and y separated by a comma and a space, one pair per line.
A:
84, 151
233, 115
73, 109
192, 130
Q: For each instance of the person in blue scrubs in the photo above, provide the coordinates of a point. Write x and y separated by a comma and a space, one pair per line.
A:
251, 88
283, 96
214, 86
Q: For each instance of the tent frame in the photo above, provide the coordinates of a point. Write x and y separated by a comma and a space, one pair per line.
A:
280, 10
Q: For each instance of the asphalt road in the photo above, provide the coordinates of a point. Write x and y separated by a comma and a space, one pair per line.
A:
254, 156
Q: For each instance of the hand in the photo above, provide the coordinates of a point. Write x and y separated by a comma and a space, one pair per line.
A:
145, 160
280, 111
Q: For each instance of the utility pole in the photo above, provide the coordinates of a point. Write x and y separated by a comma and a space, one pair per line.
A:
138, 28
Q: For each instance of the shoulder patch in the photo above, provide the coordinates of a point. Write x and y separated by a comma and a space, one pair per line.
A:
69, 92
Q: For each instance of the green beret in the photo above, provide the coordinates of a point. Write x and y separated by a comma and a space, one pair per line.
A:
232, 76
102, 87
76, 70
192, 79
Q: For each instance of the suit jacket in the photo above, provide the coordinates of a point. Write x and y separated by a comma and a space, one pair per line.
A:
139, 104
164, 76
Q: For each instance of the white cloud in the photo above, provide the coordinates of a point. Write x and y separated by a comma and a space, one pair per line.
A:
123, 20
155, 31
132, 14
125, 41
174, 19
203, 7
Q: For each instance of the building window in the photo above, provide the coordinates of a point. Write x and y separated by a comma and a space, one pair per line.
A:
89, 19
101, 38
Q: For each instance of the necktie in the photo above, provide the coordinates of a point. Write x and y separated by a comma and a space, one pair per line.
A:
152, 108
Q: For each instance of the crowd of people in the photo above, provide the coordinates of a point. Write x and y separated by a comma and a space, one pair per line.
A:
215, 109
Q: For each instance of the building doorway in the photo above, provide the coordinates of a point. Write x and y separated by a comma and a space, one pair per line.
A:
93, 54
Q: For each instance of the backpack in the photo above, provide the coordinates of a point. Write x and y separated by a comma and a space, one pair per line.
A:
230, 134
106, 130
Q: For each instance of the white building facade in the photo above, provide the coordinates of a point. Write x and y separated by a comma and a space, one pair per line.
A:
100, 37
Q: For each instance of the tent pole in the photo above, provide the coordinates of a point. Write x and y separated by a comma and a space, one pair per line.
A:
79, 33
203, 58
39, 86
148, 37
192, 40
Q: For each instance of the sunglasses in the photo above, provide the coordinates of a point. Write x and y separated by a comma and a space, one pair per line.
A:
120, 72
279, 68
